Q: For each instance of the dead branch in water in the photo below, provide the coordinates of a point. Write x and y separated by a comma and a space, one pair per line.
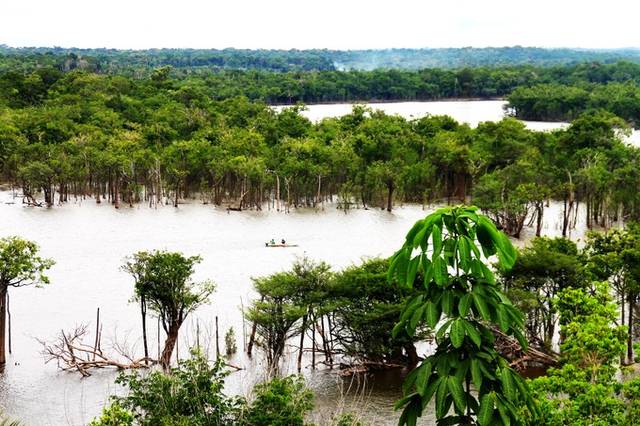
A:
520, 359
72, 354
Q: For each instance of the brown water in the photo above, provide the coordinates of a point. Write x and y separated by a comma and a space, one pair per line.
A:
89, 243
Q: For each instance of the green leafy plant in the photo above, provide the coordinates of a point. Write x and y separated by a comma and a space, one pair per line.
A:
460, 299
190, 394
230, 342
114, 415
280, 402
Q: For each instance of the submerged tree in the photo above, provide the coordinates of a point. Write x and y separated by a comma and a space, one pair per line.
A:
276, 315
364, 310
614, 256
137, 267
168, 290
20, 266
459, 297
543, 268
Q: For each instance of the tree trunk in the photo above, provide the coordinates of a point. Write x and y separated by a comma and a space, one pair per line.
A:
412, 354
3, 326
116, 192
169, 344
304, 327
540, 210
143, 314
630, 326
390, 196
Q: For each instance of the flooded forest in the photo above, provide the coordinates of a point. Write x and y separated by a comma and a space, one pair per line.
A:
239, 237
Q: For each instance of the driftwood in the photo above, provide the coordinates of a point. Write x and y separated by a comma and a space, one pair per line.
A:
71, 354
347, 370
520, 359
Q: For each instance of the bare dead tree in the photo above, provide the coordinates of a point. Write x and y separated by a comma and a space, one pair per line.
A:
70, 353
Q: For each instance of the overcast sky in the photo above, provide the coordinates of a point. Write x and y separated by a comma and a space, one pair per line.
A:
333, 24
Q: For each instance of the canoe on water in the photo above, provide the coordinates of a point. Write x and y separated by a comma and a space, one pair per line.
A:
280, 245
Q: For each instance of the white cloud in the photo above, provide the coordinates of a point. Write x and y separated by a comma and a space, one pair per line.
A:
336, 24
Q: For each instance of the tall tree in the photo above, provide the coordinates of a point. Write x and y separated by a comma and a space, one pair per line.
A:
169, 290
20, 266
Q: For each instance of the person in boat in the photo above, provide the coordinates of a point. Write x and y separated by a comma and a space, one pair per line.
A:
272, 242
283, 242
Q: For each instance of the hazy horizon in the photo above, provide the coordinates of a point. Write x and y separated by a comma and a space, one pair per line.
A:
332, 24
317, 48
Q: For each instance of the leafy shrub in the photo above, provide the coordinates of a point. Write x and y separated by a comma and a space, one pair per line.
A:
280, 402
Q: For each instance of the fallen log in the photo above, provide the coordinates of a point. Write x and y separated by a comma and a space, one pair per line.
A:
520, 359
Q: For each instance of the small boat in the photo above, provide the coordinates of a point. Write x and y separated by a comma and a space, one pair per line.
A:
280, 245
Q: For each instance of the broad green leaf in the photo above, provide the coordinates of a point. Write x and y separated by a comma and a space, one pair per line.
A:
413, 322
504, 416
397, 329
447, 301
419, 238
450, 251
507, 254
464, 304
471, 244
422, 377
427, 267
476, 373
486, 409
436, 235
456, 334
409, 381
503, 319
464, 253
507, 383
440, 271
413, 232
457, 392
473, 333
411, 305
403, 401
481, 306
433, 314
393, 266
441, 397
483, 233
412, 271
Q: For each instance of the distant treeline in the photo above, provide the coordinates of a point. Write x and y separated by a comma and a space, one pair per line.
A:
558, 102
553, 87
133, 62
156, 140
476, 57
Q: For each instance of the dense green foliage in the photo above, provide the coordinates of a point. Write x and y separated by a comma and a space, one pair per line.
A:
280, 402
192, 394
112, 60
349, 314
555, 102
614, 256
460, 298
161, 140
586, 388
566, 87
544, 267
141, 61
